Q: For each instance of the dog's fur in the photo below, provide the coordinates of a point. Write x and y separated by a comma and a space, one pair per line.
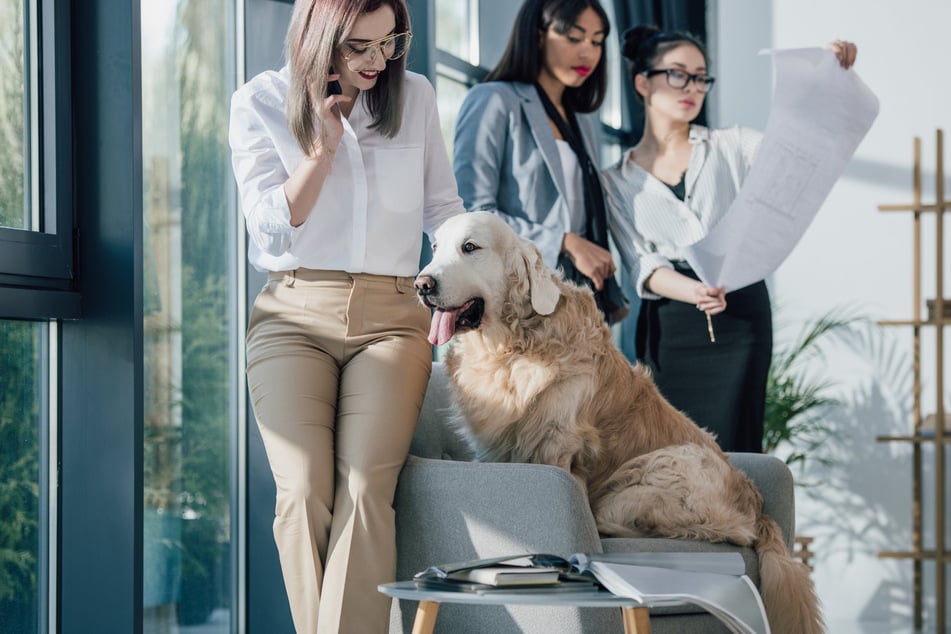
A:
538, 380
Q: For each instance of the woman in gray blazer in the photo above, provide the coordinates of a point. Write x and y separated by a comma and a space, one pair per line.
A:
522, 153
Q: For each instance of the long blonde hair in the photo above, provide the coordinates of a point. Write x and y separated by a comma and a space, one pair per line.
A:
317, 29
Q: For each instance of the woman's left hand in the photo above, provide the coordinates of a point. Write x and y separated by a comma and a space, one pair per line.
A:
844, 51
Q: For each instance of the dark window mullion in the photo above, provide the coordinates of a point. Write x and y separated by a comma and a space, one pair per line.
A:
46, 254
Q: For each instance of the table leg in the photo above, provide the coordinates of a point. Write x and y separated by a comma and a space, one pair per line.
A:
636, 620
425, 617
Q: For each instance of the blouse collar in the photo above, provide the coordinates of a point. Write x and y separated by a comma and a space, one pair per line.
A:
698, 134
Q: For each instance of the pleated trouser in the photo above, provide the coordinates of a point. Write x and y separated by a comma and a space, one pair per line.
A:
337, 369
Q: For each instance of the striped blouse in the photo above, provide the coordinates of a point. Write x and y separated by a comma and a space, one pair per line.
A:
650, 226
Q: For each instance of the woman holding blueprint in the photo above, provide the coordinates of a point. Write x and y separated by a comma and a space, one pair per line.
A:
709, 350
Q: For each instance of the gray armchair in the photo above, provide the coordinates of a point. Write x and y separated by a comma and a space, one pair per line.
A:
449, 508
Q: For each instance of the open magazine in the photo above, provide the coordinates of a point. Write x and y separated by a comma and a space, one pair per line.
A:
715, 582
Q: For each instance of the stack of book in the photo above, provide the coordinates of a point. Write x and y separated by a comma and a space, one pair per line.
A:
508, 573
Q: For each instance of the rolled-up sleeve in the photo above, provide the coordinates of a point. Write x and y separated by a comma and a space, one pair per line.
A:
639, 261
259, 172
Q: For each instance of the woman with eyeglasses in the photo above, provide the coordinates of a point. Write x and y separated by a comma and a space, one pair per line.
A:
667, 192
340, 166
524, 151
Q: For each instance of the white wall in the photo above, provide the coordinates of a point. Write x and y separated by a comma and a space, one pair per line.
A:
855, 255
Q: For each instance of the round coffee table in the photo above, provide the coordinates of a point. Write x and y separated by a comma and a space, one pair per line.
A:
635, 615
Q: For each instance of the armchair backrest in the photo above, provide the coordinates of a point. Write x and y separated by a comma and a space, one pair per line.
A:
436, 436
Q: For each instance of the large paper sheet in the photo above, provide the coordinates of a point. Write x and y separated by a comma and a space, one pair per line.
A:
732, 599
820, 114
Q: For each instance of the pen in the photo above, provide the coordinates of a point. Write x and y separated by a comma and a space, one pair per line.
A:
710, 327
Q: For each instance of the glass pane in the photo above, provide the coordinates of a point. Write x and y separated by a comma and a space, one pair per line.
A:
14, 106
188, 308
21, 371
449, 97
617, 72
457, 29
610, 151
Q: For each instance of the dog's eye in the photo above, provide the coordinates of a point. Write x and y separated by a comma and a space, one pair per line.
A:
469, 247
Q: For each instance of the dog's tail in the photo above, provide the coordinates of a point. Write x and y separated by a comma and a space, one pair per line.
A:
789, 595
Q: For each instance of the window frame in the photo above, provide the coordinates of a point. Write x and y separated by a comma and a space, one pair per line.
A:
38, 275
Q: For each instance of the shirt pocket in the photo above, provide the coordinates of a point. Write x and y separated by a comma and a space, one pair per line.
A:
399, 176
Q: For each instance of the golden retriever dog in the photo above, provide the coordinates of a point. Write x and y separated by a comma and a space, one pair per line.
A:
537, 379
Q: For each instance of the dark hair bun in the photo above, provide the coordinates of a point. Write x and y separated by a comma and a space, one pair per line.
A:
634, 38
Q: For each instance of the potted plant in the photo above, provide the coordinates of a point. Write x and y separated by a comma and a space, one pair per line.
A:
798, 398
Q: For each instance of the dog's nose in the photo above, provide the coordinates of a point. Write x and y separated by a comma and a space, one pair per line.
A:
425, 285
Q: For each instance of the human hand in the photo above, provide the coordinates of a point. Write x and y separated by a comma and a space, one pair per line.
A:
844, 51
591, 260
709, 299
331, 131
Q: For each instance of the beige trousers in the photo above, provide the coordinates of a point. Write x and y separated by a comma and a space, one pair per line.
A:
337, 369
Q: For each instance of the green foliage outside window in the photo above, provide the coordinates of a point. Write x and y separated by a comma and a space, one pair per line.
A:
19, 470
11, 113
19, 446
188, 413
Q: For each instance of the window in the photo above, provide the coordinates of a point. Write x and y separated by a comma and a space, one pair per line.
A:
23, 497
457, 59
35, 267
189, 226
457, 29
17, 88
612, 110
36, 230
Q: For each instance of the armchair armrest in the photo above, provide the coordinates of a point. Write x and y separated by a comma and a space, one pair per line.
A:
774, 480
456, 511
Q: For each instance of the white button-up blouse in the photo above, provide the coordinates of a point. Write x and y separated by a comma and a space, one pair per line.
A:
379, 197
650, 225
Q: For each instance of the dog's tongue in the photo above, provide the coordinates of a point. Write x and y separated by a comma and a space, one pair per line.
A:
443, 326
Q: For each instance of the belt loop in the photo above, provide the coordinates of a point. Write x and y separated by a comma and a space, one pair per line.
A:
290, 278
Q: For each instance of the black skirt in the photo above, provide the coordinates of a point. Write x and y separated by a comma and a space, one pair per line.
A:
720, 385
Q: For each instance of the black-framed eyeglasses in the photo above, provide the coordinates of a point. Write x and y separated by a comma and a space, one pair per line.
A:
360, 55
678, 79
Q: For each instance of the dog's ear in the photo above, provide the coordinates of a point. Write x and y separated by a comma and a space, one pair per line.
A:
543, 290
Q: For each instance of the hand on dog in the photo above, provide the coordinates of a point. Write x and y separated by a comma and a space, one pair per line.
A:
593, 261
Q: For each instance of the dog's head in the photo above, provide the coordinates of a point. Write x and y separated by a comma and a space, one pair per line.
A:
483, 271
